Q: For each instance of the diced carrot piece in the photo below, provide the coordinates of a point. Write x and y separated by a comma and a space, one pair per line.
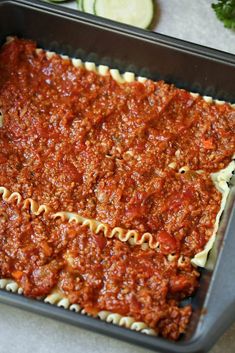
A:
17, 274
208, 144
72, 233
46, 248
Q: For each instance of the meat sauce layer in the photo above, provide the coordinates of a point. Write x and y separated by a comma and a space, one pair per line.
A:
98, 273
81, 142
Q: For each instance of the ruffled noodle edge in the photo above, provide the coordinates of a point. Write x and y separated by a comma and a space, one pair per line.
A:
57, 299
103, 70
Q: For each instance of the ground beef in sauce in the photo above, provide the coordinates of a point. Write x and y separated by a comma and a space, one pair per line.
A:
81, 142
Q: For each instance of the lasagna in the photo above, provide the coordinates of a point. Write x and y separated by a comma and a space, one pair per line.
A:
111, 188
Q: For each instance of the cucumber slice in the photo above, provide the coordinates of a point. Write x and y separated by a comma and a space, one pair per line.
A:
79, 5
137, 13
88, 6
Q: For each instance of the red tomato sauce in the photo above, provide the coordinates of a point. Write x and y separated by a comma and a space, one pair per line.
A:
78, 141
98, 273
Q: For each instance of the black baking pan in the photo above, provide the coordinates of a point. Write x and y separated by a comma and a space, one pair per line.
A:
189, 66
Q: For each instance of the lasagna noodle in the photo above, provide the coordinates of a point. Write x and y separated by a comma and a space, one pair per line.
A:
28, 203
221, 180
10, 286
132, 236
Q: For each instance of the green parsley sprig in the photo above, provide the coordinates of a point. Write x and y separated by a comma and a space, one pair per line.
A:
225, 11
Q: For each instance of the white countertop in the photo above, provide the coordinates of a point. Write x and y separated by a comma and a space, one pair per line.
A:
23, 332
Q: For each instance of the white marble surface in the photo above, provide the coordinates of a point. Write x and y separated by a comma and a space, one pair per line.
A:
22, 332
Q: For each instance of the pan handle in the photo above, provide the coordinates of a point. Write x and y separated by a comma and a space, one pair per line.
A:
220, 302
